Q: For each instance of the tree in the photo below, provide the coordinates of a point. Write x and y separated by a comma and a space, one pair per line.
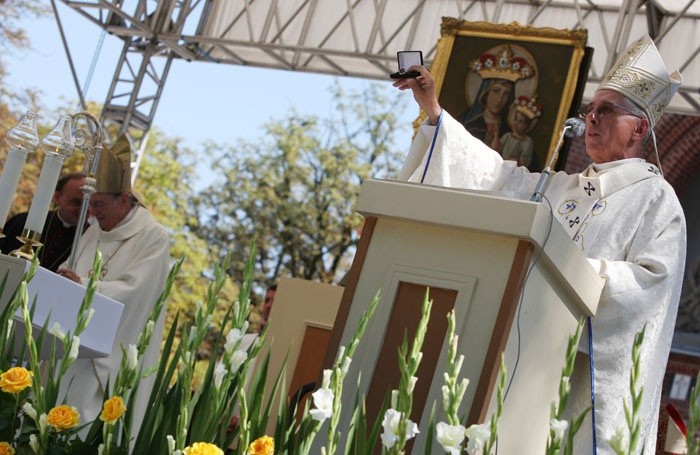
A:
12, 36
165, 185
295, 189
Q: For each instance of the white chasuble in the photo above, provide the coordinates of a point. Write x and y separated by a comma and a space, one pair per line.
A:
136, 262
627, 220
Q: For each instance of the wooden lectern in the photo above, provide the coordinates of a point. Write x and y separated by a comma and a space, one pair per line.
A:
518, 286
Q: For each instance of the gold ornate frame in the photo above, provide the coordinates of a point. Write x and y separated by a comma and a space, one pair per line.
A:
557, 55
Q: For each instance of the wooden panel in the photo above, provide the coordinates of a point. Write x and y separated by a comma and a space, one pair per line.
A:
404, 319
349, 293
499, 336
310, 360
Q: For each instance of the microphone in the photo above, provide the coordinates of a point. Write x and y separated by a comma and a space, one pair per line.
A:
573, 127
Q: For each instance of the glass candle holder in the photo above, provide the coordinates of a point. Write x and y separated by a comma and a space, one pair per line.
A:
22, 139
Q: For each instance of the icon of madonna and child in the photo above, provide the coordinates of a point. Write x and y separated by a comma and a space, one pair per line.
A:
501, 91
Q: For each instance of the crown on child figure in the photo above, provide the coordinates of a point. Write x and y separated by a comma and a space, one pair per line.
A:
529, 107
503, 65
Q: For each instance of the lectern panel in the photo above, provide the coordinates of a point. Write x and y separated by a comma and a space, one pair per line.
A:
403, 321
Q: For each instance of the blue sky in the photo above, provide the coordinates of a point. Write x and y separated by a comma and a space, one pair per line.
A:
201, 101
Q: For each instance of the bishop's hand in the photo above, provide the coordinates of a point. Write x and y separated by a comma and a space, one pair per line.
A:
423, 88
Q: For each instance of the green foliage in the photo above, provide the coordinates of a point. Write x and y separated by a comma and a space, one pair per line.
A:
556, 440
627, 444
295, 189
165, 184
13, 38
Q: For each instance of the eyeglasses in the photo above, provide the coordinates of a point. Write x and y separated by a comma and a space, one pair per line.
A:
99, 204
605, 109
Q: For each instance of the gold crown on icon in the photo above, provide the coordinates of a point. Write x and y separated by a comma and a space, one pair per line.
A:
529, 107
503, 65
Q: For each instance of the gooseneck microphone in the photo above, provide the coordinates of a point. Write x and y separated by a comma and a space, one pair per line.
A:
573, 127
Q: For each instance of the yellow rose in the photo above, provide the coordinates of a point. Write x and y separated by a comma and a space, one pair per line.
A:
264, 445
112, 410
15, 380
63, 417
6, 448
202, 448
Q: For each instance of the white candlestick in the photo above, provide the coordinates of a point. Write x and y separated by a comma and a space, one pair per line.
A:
44, 192
9, 180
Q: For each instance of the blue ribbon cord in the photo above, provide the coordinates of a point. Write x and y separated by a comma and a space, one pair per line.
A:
432, 146
591, 366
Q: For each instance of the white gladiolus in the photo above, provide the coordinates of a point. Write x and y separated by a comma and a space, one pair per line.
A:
323, 402
559, 428
567, 385
234, 336
450, 437
237, 360
34, 443
171, 443
74, 346
42, 423
478, 435
88, 317
392, 417
346, 365
619, 441
412, 384
326, 378
132, 356
219, 372
57, 331
29, 410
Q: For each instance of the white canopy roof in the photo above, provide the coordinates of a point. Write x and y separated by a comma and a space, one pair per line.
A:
361, 37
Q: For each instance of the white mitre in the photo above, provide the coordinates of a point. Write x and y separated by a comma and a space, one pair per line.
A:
640, 74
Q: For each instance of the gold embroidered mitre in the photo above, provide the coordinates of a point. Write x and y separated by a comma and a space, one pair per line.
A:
640, 74
114, 171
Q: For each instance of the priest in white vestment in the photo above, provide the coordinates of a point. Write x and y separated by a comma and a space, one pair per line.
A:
620, 211
135, 264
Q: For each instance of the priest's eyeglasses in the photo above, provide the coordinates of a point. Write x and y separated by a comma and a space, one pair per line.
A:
605, 109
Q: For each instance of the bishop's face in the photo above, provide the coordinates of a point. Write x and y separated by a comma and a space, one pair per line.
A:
614, 129
109, 209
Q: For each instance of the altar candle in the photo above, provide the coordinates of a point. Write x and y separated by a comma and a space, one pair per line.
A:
45, 188
57, 146
22, 139
9, 180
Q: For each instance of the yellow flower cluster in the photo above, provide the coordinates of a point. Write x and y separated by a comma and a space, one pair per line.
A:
112, 410
6, 448
202, 448
63, 417
264, 445
15, 380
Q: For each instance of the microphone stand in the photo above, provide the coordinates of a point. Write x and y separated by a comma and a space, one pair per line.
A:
544, 177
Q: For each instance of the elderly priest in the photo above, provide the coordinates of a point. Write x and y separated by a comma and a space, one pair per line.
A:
620, 211
135, 263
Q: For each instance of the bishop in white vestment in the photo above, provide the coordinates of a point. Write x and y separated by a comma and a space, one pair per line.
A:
135, 264
620, 211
